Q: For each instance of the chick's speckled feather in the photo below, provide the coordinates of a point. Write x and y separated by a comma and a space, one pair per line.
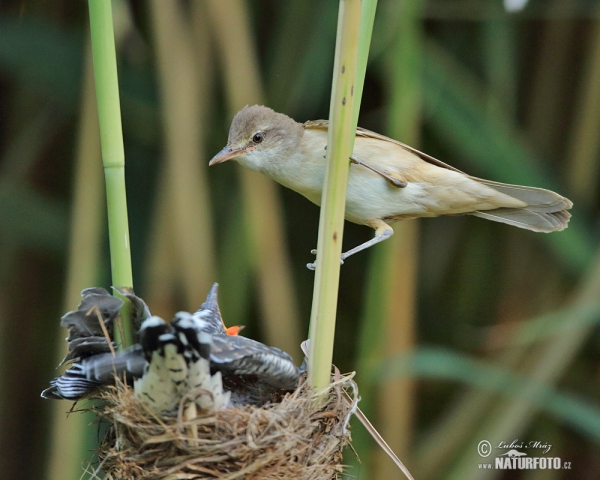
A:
193, 351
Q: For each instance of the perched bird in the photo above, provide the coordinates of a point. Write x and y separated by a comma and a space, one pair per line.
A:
389, 181
192, 353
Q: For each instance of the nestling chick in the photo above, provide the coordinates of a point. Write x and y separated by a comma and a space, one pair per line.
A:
389, 181
193, 353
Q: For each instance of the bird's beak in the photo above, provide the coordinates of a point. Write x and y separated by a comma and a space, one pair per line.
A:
227, 154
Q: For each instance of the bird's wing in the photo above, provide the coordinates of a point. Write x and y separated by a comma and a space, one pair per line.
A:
140, 310
87, 347
129, 362
96, 304
241, 356
90, 323
84, 377
363, 132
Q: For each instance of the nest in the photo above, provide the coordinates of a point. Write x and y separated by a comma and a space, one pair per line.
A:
293, 438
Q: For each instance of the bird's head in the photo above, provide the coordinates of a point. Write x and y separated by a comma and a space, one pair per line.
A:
153, 333
257, 136
208, 318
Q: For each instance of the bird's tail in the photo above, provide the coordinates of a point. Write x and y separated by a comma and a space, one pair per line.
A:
84, 376
546, 211
71, 385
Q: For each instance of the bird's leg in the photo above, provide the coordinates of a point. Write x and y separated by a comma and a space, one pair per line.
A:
393, 181
382, 232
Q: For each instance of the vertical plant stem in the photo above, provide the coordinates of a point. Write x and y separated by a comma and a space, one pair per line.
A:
367, 19
183, 79
396, 399
387, 325
263, 212
582, 176
499, 42
544, 117
340, 144
71, 439
113, 154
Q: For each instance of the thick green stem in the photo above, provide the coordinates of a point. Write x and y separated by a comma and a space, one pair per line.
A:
113, 154
367, 19
340, 144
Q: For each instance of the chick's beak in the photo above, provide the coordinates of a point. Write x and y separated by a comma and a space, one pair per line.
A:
235, 330
228, 153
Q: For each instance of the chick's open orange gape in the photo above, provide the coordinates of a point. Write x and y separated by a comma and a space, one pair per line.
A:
389, 181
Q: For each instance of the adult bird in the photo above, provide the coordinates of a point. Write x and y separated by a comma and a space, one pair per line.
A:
389, 181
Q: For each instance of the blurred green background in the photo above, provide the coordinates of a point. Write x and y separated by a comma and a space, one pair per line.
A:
460, 330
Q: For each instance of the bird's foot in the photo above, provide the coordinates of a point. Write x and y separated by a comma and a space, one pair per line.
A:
313, 266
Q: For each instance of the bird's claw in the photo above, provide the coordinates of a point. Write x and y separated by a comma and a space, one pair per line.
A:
313, 266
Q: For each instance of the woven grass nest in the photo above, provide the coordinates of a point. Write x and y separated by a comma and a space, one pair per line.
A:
294, 438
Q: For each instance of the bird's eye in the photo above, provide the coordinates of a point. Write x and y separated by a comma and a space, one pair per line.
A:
258, 137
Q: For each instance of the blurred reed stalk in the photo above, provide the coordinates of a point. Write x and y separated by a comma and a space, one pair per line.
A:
71, 438
113, 155
500, 67
183, 238
499, 34
544, 365
399, 265
262, 216
544, 112
340, 144
548, 361
584, 147
478, 414
301, 48
388, 320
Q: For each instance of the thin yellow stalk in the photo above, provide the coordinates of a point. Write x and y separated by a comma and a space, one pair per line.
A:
585, 143
395, 399
234, 288
544, 115
161, 277
340, 144
263, 213
67, 444
113, 154
183, 83
367, 19
387, 326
